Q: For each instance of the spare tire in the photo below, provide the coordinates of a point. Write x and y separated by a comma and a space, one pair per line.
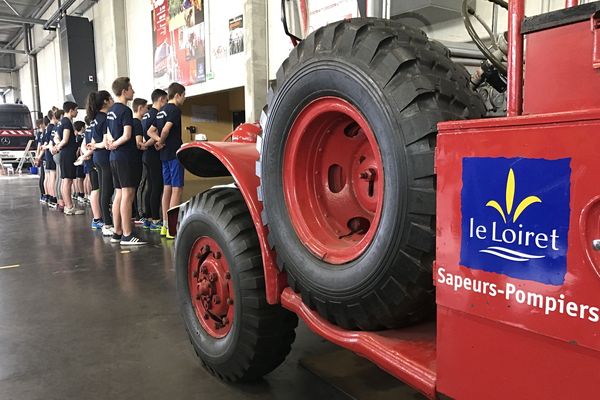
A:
346, 168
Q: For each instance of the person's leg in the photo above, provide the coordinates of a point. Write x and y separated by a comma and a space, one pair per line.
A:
116, 212
156, 189
57, 189
166, 201
106, 192
127, 198
51, 182
66, 192
42, 174
95, 194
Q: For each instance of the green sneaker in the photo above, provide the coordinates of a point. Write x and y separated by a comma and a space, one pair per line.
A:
164, 231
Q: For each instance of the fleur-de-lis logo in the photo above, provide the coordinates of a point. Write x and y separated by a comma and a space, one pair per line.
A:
510, 197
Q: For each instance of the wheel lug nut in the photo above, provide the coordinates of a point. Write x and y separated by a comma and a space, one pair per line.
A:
229, 302
205, 249
212, 277
217, 255
225, 321
227, 276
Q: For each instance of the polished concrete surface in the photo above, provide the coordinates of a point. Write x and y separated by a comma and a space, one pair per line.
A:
83, 319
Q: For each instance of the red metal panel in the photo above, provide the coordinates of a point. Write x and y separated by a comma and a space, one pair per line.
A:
408, 354
507, 348
483, 359
240, 159
559, 72
516, 10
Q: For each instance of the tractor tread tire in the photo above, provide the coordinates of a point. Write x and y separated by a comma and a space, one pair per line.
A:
264, 332
422, 86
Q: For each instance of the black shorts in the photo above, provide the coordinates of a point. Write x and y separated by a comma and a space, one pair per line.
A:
50, 164
67, 169
126, 173
94, 179
79, 171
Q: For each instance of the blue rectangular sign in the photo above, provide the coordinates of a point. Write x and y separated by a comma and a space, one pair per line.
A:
515, 217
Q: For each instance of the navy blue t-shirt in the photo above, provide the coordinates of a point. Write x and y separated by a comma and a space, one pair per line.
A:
169, 113
87, 137
119, 116
66, 123
138, 130
47, 139
147, 121
101, 156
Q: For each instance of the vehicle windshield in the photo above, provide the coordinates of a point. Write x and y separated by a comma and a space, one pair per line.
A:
15, 120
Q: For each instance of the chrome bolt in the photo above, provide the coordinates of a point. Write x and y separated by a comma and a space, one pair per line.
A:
229, 302
596, 244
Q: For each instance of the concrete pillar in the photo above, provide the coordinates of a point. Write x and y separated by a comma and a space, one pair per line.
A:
257, 67
120, 32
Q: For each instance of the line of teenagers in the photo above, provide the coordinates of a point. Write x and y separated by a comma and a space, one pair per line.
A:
123, 145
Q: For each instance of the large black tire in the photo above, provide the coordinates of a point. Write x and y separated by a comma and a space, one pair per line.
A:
261, 334
403, 84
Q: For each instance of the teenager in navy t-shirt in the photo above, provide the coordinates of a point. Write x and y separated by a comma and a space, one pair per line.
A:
68, 154
125, 169
98, 104
140, 106
49, 161
152, 164
166, 131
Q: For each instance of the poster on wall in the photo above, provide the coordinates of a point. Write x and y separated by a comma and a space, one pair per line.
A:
179, 35
236, 35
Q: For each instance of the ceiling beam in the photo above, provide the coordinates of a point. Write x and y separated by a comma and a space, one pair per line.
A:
12, 8
22, 20
12, 51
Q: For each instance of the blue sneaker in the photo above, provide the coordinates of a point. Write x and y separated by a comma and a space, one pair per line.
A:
156, 226
147, 224
97, 225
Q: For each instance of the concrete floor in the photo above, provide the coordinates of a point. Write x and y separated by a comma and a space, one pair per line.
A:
83, 319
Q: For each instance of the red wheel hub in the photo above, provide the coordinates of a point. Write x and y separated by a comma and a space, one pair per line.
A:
210, 285
333, 180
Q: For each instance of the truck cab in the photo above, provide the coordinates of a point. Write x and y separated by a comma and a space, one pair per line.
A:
16, 130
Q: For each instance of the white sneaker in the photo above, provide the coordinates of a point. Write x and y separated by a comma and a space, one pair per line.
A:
107, 230
73, 211
131, 241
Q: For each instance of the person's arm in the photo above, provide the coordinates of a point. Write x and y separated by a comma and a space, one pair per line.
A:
165, 133
65, 139
153, 134
124, 137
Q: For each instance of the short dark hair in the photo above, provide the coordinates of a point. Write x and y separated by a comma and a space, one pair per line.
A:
139, 102
157, 94
175, 89
39, 122
59, 114
120, 84
69, 106
46, 120
79, 126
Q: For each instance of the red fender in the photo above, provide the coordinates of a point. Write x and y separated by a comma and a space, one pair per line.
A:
238, 160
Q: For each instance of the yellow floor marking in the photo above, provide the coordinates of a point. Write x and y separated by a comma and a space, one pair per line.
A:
10, 266
125, 251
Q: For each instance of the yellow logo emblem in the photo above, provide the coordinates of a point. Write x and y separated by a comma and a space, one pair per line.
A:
510, 197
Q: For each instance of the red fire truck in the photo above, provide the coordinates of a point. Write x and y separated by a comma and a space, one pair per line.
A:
457, 252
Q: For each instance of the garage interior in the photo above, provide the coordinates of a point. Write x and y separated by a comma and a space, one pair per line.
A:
379, 200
